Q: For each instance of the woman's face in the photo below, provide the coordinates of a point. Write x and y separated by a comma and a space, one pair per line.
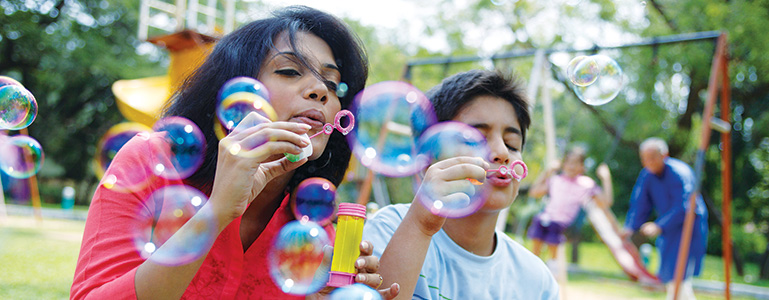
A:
496, 119
296, 93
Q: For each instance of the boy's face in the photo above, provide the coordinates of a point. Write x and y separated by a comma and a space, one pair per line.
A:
496, 119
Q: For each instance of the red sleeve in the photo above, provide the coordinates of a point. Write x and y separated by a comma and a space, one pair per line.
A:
108, 257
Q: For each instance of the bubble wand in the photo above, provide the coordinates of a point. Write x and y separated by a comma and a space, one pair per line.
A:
328, 129
507, 171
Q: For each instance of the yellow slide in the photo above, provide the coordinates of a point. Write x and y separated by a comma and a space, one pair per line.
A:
141, 100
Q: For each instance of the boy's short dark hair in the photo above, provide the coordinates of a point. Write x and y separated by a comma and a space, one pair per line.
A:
456, 91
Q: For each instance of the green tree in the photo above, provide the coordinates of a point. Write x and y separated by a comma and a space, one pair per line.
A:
68, 54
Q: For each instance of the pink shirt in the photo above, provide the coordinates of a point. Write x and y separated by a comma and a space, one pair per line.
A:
567, 195
108, 257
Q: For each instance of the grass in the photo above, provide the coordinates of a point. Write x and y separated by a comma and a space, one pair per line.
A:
603, 274
38, 259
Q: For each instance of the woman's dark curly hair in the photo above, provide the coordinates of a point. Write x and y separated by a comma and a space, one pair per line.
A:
241, 53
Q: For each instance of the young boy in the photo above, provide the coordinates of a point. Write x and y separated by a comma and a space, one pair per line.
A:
433, 257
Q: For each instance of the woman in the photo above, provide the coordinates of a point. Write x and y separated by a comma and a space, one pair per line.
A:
301, 55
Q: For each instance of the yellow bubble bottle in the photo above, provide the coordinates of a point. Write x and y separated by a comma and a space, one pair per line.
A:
349, 232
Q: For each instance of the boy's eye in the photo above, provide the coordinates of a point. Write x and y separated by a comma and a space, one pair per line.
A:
288, 72
511, 148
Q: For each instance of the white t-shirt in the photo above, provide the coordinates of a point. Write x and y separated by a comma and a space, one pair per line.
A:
451, 272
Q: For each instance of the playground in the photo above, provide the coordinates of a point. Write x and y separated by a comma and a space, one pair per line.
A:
660, 108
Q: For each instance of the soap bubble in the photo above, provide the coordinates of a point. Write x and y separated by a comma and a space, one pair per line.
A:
21, 156
165, 212
296, 255
314, 199
390, 116
111, 142
186, 148
606, 86
583, 70
461, 197
355, 291
18, 107
240, 96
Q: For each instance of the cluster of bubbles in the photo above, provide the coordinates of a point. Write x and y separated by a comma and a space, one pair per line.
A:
397, 134
176, 151
596, 79
21, 156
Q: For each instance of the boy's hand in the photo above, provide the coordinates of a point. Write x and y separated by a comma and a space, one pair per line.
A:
447, 180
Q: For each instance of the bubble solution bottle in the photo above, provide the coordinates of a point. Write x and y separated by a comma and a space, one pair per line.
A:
349, 232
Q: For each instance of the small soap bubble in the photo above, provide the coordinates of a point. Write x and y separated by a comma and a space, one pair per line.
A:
21, 156
606, 86
341, 90
243, 84
582, 70
296, 255
355, 291
314, 200
114, 139
390, 116
166, 211
240, 96
18, 107
186, 148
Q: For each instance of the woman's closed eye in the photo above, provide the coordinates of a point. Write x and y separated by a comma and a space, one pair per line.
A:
332, 86
288, 72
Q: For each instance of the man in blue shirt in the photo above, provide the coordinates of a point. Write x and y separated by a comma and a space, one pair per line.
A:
665, 185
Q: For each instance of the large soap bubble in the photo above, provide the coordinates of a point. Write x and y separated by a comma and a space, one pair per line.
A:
390, 116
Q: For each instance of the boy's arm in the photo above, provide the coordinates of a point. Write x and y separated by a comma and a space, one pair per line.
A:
404, 255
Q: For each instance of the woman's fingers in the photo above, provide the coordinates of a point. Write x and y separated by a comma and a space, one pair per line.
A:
390, 292
372, 280
367, 264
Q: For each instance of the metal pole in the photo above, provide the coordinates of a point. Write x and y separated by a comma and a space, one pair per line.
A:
686, 235
726, 176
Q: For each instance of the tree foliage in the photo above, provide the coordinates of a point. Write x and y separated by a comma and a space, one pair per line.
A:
68, 54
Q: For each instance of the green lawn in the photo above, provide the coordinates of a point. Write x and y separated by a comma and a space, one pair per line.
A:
37, 261
602, 273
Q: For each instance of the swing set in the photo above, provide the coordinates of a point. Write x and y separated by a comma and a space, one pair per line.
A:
718, 82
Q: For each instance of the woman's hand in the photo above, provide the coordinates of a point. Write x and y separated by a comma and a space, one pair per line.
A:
250, 157
367, 266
